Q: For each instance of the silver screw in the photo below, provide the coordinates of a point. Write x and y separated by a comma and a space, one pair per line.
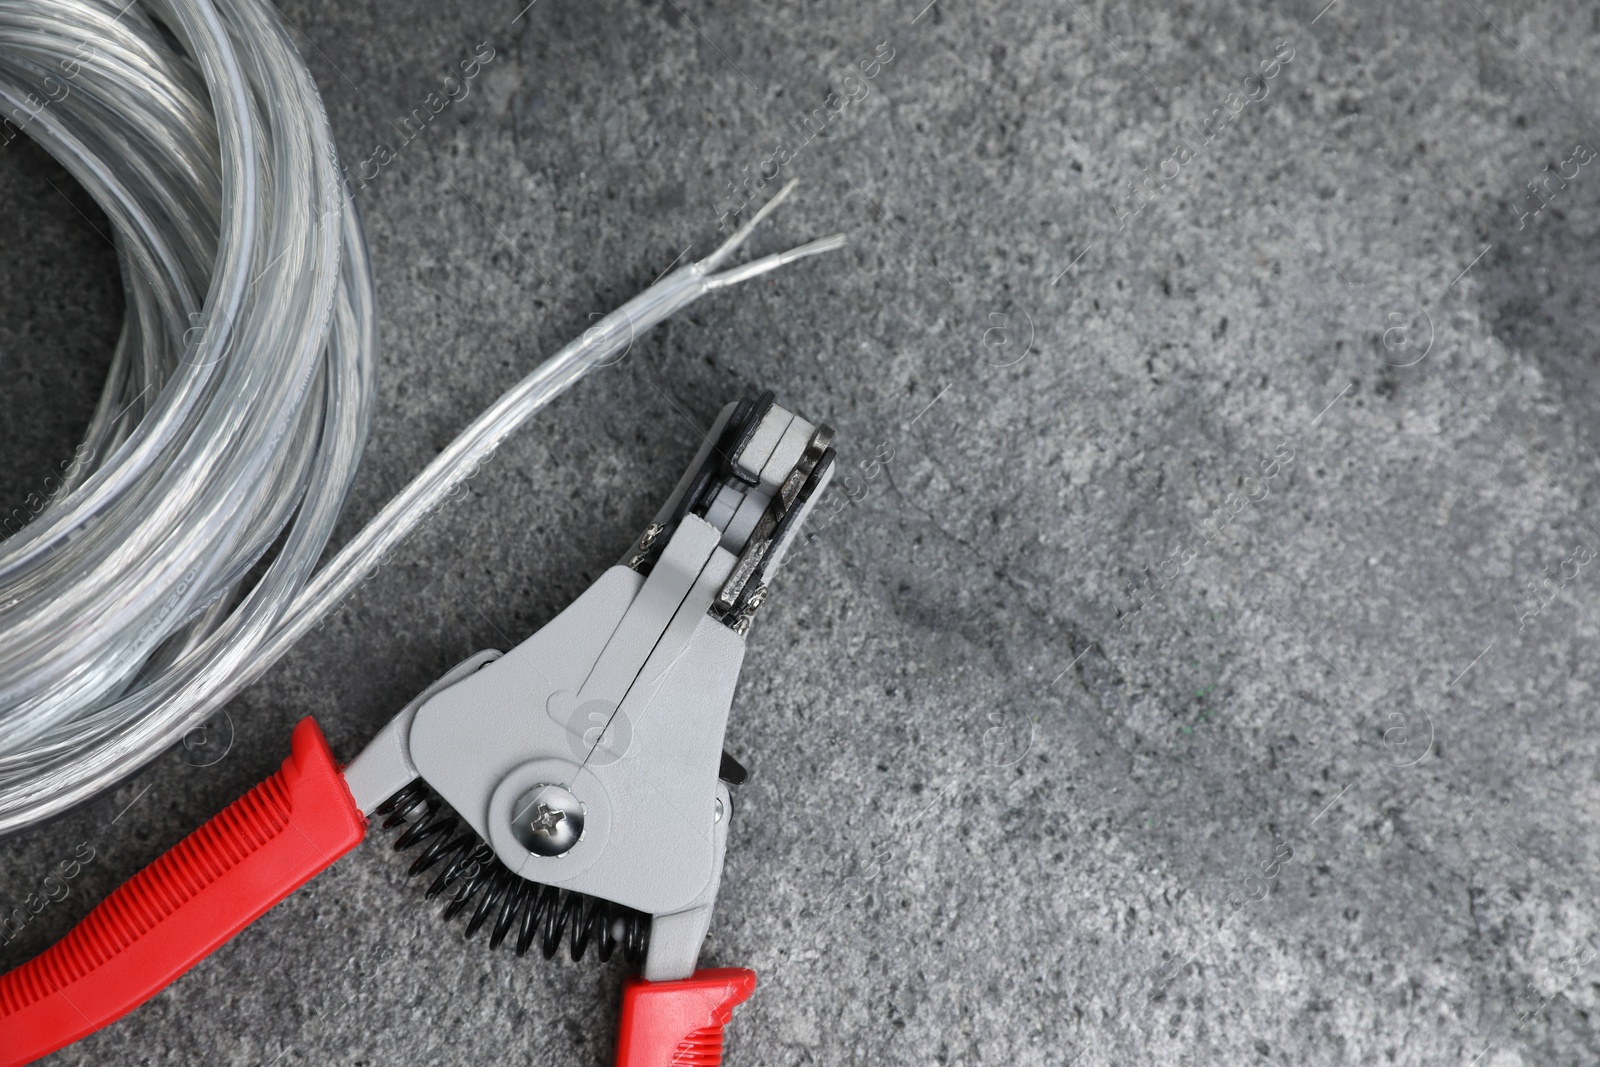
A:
548, 820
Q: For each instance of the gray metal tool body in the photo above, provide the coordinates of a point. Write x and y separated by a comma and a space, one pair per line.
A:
589, 757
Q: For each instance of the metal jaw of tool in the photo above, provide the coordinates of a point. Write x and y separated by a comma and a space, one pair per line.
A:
590, 756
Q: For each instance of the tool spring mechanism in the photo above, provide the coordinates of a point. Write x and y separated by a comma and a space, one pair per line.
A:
473, 876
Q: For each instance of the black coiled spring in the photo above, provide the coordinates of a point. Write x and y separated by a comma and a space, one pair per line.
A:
472, 872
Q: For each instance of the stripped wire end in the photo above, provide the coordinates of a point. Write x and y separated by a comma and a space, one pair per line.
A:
766, 263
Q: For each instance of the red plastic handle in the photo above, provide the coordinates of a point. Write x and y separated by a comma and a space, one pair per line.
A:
176, 911
679, 1024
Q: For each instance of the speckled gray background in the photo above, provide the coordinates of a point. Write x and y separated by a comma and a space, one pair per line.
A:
1050, 765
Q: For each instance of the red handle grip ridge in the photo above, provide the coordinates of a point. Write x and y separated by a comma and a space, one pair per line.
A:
679, 1024
178, 910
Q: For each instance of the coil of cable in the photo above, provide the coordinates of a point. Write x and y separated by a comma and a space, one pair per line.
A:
240, 390
179, 561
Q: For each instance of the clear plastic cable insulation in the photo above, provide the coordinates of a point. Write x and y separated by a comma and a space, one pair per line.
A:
240, 391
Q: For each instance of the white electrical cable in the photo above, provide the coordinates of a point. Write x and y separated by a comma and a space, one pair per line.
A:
240, 391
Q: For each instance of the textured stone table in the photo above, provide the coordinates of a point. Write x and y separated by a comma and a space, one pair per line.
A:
1168, 687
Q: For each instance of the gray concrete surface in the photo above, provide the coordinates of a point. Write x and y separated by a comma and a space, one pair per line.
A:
1054, 762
